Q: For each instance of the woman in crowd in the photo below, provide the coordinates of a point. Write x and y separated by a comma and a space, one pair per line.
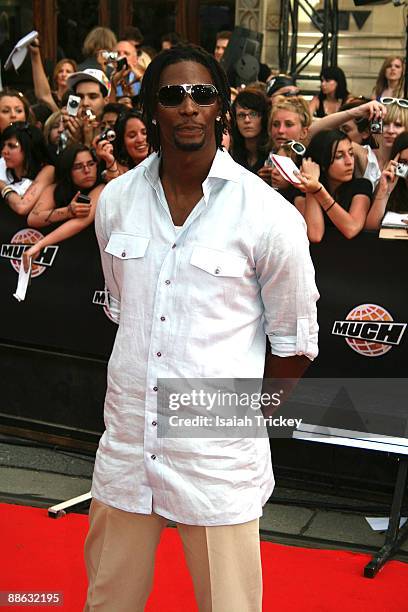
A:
76, 172
14, 106
332, 194
333, 92
26, 169
250, 112
129, 147
392, 191
390, 81
290, 120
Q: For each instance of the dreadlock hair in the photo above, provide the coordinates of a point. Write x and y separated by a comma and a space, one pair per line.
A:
150, 87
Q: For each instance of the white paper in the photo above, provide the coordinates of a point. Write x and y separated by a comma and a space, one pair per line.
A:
286, 167
18, 54
22, 284
380, 523
393, 219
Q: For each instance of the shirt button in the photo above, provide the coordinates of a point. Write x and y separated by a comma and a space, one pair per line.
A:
154, 423
124, 254
217, 270
158, 354
153, 457
167, 282
173, 246
155, 388
162, 318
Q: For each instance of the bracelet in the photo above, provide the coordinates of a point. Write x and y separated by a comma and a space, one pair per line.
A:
114, 164
70, 211
6, 191
317, 190
326, 210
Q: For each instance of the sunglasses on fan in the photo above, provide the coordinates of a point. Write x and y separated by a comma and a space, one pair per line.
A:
203, 94
400, 101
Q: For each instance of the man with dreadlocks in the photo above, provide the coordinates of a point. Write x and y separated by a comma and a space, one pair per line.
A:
201, 259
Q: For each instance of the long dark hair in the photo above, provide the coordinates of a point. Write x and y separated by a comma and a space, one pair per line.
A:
150, 87
65, 188
337, 74
398, 200
322, 149
32, 144
119, 150
252, 99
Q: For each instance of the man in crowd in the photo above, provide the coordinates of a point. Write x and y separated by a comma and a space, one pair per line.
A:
93, 87
221, 43
201, 259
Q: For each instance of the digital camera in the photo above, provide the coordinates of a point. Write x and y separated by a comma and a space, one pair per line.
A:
110, 56
73, 105
107, 134
121, 63
401, 170
376, 126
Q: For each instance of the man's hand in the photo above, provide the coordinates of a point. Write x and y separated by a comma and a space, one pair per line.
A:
73, 127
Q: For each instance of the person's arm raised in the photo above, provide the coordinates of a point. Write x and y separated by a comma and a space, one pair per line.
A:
370, 110
42, 87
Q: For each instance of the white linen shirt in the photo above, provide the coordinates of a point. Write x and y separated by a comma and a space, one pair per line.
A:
196, 303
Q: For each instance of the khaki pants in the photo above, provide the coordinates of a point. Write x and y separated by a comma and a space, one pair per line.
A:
224, 562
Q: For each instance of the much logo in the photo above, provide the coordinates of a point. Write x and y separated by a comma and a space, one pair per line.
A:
21, 242
101, 298
370, 330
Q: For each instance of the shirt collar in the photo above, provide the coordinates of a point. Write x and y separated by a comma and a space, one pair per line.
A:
223, 167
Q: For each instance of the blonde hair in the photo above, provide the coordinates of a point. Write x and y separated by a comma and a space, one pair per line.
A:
295, 104
382, 82
396, 113
52, 119
97, 39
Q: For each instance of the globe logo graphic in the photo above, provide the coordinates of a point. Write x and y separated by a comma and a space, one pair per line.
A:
368, 312
27, 236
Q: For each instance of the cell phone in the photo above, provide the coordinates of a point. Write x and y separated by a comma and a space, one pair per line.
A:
121, 63
73, 105
83, 199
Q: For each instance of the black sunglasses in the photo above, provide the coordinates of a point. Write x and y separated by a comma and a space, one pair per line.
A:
203, 94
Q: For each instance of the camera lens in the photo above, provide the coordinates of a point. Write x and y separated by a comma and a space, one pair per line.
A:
73, 103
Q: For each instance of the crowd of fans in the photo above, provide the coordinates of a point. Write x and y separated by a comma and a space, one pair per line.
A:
85, 129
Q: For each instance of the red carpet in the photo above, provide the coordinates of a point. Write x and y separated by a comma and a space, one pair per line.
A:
43, 554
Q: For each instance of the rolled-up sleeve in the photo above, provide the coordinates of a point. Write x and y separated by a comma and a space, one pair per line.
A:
102, 235
288, 289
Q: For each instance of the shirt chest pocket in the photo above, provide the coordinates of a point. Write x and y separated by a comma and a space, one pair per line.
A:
219, 273
127, 246
128, 255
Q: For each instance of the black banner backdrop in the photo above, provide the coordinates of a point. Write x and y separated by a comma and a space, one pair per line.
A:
362, 318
